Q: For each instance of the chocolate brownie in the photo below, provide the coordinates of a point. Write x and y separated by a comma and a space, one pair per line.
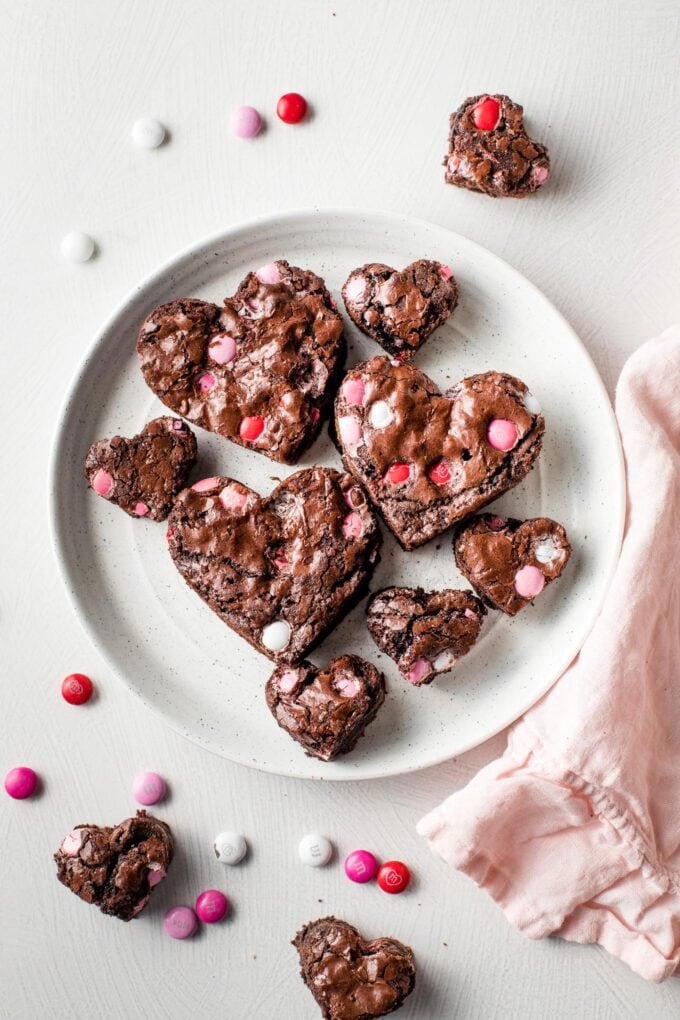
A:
326, 710
424, 632
278, 569
116, 868
352, 979
261, 370
490, 151
509, 562
428, 460
399, 309
143, 475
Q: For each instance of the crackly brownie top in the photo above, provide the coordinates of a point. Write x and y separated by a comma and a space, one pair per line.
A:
350, 978
278, 568
490, 151
399, 309
260, 370
326, 710
509, 562
116, 868
142, 475
417, 449
424, 632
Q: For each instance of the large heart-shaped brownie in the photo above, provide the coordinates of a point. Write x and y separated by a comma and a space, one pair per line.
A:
143, 475
428, 460
509, 562
399, 309
490, 151
261, 370
326, 710
352, 979
116, 868
282, 568
424, 632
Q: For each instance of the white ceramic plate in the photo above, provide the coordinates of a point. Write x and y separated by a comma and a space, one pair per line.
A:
183, 662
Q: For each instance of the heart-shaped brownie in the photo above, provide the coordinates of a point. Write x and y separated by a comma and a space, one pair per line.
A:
424, 632
282, 568
490, 151
510, 562
261, 370
326, 710
143, 475
116, 868
427, 459
352, 979
399, 309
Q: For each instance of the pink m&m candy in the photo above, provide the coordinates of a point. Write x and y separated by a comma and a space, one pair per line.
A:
211, 906
21, 782
204, 484
222, 349
206, 382
361, 866
269, 273
529, 582
420, 669
352, 526
148, 788
245, 122
502, 434
180, 922
353, 391
102, 483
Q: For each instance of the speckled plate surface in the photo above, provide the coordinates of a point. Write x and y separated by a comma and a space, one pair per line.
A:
169, 648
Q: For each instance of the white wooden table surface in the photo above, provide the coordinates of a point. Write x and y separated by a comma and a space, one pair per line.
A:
600, 84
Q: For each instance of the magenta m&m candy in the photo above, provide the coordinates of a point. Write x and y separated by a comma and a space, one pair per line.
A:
393, 877
361, 866
245, 122
21, 782
76, 688
148, 788
291, 108
180, 922
211, 906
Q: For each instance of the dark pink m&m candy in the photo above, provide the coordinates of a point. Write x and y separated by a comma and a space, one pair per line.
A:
291, 108
211, 906
393, 877
361, 866
76, 688
21, 782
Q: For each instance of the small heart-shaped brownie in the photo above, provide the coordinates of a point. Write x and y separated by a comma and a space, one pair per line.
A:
143, 475
490, 151
428, 460
399, 310
260, 371
424, 632
510, 562
326, 710
116, 868
278, 569
352, 979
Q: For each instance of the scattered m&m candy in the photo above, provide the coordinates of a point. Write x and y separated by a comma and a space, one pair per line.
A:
148, 788
230, 847
315, 850
393, 877
147, 133
291, 108
211, 906
77, 247
180, 922
361, 866
21, 782
245, 122
76, 688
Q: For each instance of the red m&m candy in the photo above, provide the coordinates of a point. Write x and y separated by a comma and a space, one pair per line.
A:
487, 114
251, 428
76, 688
393, 877
398, 473
291, 108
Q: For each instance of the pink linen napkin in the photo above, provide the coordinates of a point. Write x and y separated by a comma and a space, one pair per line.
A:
575, 830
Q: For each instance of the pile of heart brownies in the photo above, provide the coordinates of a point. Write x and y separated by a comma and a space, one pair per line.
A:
265, 370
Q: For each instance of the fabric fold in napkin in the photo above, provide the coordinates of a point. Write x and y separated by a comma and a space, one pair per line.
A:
575, 830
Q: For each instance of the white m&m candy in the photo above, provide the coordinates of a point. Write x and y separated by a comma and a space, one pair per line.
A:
315, 850
276, 635
77, 247
148, 133
230, 847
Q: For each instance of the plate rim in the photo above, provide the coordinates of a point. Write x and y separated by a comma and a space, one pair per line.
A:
157, 276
